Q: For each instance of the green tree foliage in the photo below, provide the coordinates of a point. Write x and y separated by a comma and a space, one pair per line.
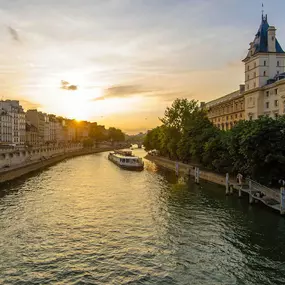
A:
254, 148
97, 133
116, 135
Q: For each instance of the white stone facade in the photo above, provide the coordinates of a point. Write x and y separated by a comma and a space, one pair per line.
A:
264, 93
13, 123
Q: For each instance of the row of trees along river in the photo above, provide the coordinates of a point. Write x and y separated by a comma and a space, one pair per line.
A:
254, 148
98, 134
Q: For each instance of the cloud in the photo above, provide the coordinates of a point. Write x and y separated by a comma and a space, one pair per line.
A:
126, 91
67, 86
14, 34
122, 91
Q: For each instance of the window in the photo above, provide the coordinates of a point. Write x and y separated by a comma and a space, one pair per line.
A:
264, 73
264, 63
254, 74
267, 93
255, 65
278, 63
267, 105
276, 103
254, 84
236, 115
248, 77
277, 72
240, 115
276, 115
250, 117
272, 38
276, 91
247, 87
248, 67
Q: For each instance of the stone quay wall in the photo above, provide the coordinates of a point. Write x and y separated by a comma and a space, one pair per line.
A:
25, 162
187, 169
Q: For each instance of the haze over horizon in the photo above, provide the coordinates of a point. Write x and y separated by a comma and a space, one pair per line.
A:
121, 62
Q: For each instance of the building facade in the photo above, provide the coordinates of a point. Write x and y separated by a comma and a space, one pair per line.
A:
32, 137
13, 123
226, 111
264, 74
263, 93
37, 119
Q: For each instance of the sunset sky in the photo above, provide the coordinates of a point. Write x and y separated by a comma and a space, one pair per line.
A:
128, 58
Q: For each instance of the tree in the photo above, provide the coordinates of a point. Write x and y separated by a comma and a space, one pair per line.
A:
116, 135
97, 133
258, 149
179, 113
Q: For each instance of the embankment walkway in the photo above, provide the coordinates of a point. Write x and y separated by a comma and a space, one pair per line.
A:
272, 198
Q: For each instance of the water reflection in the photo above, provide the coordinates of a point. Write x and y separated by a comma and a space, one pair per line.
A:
85, 221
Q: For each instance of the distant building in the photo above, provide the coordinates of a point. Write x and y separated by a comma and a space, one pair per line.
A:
13, 123
37, 119
60, 130
32, 135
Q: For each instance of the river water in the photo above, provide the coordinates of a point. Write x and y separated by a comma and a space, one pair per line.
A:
85, 221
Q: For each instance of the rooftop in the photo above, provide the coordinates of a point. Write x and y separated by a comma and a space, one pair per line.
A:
260, 42
223, 99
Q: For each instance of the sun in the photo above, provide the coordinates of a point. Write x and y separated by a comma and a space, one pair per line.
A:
77, 104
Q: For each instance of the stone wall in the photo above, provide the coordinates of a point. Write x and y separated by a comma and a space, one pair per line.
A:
19, 157
186, 169
55, 156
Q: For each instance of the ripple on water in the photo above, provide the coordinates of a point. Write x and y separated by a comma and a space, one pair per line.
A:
85, 221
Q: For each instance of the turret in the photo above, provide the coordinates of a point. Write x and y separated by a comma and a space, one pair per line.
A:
271, 35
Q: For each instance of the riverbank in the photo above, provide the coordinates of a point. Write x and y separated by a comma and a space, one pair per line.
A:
186, 169
18, 171
255, 191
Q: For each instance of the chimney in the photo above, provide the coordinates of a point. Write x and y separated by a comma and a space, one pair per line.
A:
271, 34
241, 88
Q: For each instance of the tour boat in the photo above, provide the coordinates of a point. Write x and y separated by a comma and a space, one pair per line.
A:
126, 160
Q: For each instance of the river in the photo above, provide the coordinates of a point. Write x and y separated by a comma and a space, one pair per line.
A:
85, 221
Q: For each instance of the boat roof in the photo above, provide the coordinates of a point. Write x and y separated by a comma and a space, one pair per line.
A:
125, 157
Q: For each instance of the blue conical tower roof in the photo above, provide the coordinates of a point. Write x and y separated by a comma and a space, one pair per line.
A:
260, 43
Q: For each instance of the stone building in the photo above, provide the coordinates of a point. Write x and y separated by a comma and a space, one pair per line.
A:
226, 111
264, 74
37, 119
13, 123
264, 91
32, 135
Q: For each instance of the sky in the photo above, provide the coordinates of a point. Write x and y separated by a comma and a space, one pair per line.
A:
122, 62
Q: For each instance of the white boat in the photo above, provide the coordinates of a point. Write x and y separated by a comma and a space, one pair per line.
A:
126, 160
